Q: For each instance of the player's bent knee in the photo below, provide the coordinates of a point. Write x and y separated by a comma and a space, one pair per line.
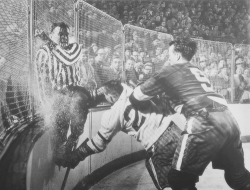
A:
179, 180
238, 181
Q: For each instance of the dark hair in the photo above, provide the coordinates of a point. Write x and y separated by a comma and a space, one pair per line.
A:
185, 46
64, 35
113, 87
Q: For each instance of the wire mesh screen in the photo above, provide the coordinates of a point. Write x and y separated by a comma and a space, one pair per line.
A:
46, 13
215, 60
242, 73
14, 64
102, 40
146, 51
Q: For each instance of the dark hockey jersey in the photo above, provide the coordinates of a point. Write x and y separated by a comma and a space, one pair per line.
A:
180, 82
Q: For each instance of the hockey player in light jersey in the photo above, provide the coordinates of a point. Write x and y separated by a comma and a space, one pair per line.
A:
154, 130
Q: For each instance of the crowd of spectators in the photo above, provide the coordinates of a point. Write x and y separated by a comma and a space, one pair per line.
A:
219, 20
147, 38
146, 51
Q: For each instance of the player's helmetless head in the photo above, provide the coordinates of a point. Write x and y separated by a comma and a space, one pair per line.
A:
112, 90
60, 33
181, 50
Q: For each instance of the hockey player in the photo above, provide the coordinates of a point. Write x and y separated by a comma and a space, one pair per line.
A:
58, 76
155, 131
211, 132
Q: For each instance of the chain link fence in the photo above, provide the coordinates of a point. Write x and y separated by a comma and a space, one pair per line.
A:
241, 75
14, 65
102, 39
215, 60
146, 51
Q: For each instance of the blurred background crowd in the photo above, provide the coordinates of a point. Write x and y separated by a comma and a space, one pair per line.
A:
219, 20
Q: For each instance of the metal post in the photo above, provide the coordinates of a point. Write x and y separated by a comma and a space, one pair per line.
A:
124, 77
76, 20
31, 61
232, 74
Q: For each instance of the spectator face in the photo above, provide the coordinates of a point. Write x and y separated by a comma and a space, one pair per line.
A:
222, 63
95, 48
142, 54
203, 64
101, 54
135, 37
135, 55
165, 52
206, 72
158, 18
138, 68
239, 70
213, 65
128, 53
247, 73
84, 56
116, 63
224, 71
91, 61
158, 51
129, 64
213, 72
239, 61
148, 70
107, 50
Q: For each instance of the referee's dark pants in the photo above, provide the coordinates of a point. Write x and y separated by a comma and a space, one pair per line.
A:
70, 109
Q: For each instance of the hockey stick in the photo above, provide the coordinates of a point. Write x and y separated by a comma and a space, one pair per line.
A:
67, 171
65, 178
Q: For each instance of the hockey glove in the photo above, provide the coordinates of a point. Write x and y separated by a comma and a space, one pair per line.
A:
73, 158
97, 97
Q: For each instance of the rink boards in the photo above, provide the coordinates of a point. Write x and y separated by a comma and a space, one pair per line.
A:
43, 174
29, 164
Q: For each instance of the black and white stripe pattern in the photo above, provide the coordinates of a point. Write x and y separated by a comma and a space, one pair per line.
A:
58, 68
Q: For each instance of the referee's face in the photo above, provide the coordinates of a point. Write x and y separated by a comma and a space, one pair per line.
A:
54, 35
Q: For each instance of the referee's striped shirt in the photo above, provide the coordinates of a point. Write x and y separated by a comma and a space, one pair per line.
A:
58, 68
